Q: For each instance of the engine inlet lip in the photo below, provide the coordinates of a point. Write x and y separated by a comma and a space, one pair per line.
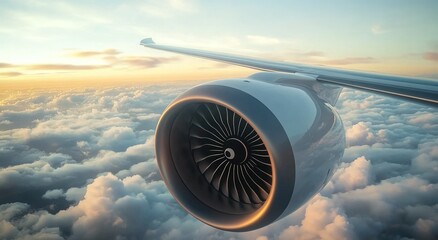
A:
278, 147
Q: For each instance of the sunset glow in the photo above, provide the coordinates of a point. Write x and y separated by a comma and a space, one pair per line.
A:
84, 41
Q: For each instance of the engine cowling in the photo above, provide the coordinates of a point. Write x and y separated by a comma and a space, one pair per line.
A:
240, 154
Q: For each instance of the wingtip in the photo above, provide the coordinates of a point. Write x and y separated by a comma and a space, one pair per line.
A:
147, 41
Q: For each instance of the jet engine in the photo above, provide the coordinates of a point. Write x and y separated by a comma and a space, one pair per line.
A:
240, 154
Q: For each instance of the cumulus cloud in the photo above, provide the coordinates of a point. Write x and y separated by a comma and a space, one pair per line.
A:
20, 119
351, 176
118, 138
81, 165
426, 163
359, 134
60, 140
74, 194
53, 194
323, 220
426, 119
132, 207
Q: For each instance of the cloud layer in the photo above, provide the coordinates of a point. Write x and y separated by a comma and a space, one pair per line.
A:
109, 58
80, 164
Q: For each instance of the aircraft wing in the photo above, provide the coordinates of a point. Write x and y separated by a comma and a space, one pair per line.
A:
414, 89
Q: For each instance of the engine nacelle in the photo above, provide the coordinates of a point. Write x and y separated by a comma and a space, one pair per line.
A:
241, 154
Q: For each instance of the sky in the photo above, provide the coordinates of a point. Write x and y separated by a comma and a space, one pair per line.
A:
80, 99
99, 40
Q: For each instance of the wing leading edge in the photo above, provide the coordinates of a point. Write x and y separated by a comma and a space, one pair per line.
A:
413, 89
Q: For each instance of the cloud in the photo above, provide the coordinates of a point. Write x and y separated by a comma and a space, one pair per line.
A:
323, 220
10, 74
350, 176
111, 58
114, 58
74, 194
132, 207
63, 67
74, 163
10, 210
359, 134
425, 120
5, 65
384, 204
431, 56
426, 163
52, 143
118, 139
148, 62
103, 53
23, 118
53, 194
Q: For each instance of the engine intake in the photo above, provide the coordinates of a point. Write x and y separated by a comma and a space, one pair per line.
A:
239, 154
230, 154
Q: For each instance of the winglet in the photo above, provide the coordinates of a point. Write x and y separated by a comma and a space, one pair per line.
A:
147, 41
